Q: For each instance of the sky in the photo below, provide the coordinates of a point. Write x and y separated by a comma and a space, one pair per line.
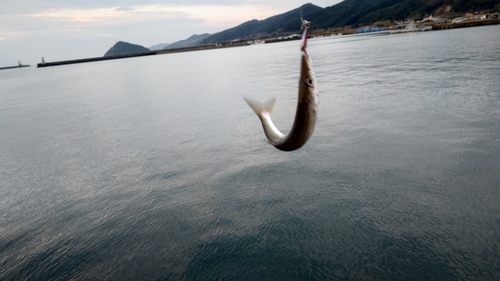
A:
72, 29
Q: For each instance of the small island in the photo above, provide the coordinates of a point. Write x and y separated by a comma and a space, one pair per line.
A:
125, 48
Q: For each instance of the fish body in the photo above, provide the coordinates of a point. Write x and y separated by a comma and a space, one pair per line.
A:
305, 116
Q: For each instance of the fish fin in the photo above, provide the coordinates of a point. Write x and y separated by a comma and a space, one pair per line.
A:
260, 108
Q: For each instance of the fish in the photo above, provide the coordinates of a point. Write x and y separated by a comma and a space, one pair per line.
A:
306, 112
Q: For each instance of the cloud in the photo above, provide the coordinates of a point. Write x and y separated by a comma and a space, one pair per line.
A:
21, 7
100, 28
56, 19
124, 9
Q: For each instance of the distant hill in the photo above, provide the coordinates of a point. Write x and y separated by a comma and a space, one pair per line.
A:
474, 5
191, 41
158, 46
124, 48
273, 26
364, 12
405, 9
347, 13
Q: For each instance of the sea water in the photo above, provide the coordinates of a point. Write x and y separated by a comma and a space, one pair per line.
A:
154, 168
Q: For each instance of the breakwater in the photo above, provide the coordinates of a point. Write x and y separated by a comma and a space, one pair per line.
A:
151, 53
17, 66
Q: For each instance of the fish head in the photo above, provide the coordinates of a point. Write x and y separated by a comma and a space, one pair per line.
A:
308, 87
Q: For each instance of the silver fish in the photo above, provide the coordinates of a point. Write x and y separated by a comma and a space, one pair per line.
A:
305, 116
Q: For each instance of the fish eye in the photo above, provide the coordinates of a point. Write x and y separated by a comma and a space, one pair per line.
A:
309, 82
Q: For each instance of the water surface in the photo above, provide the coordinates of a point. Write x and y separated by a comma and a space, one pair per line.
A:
154, 168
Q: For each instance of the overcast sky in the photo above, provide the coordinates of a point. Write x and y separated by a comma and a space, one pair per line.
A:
72, 29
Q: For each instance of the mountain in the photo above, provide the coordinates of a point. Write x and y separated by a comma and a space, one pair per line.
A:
473, 5
347, 13
124, 48
364, 12
158, 46
412, 9
273, 26
191, 41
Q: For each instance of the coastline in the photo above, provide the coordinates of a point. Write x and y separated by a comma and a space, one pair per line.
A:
435, 27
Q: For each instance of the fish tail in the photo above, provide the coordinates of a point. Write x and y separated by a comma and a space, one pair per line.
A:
261, 108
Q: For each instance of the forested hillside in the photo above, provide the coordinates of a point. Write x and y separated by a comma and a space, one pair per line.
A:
273, 26
352, 13
364, 12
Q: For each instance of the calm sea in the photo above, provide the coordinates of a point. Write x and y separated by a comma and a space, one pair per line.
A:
154, 168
